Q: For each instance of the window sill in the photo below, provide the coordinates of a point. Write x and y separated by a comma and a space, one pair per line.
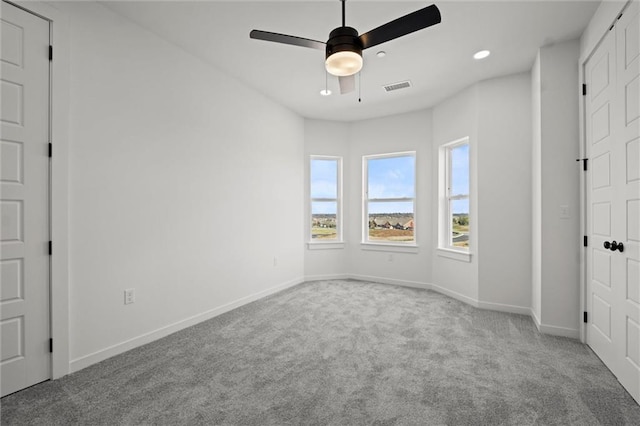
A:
326, 245
397, 248
462, 256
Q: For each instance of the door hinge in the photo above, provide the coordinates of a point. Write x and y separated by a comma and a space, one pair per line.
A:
50, 53
50, 150
50, 248
585, 317
584, 90
585, 241
584, 163
50, 345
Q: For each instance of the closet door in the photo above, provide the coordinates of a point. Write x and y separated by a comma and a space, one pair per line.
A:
24, 205
626, 265
612, 108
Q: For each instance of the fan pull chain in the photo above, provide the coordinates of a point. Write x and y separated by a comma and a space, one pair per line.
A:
326, 82
360, 86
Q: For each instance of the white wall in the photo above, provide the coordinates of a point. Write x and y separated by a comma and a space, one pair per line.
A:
184, 184
559, 181
496, 116
178, 174
536, 188
326, 138
454, 119
405, 132
504, 192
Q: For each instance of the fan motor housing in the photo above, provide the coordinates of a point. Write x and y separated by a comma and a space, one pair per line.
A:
343, 39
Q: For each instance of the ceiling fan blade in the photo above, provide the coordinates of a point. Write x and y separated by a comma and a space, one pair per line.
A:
347, 84
286, 39
407, 24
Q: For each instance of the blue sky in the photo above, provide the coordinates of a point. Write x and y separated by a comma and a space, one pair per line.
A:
391, 177
324, 178
460, 177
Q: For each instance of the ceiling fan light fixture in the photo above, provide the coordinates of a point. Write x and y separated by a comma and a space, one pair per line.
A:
343, 49
344, 63
343, 53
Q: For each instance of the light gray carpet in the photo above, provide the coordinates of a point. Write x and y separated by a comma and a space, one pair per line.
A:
341, 353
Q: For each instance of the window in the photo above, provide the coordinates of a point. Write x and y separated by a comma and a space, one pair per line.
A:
325, 193
389, 198
454, 190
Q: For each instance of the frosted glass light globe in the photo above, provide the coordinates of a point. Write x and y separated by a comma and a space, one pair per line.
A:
343, 63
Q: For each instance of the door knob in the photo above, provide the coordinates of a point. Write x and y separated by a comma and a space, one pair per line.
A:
613, 246
617, 246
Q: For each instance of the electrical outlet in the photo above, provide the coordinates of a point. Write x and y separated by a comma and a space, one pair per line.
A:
129, 296
390, 258
275, 261
564, 211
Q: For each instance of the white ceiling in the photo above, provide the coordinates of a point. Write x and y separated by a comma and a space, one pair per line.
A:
437, 60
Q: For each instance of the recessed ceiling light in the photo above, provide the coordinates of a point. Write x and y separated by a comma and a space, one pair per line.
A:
481, 54
325, 92
381, 54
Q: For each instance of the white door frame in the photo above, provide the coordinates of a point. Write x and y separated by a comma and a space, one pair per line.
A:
58, 181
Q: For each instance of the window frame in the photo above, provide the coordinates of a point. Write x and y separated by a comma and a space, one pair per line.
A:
337, 242
409, 246
445, 228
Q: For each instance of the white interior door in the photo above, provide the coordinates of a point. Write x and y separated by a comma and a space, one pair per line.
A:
612, 109
24, 183
626, 267
599, 70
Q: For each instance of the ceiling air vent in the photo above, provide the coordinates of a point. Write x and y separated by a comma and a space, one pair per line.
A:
396, 86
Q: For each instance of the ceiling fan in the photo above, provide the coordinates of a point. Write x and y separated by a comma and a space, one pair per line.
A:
343, 50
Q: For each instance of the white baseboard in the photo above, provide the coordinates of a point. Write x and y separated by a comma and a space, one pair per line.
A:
552, 329
417, 284
326, 277
535, 318
560, 331
382, 280
447, 292
513, 309
93, 358
454, 294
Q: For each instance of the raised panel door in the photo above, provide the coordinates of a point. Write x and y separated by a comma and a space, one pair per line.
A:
24, 212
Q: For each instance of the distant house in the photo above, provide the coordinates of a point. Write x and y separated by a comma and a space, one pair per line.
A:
409, 225
398, 226
373, 224
387, 225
